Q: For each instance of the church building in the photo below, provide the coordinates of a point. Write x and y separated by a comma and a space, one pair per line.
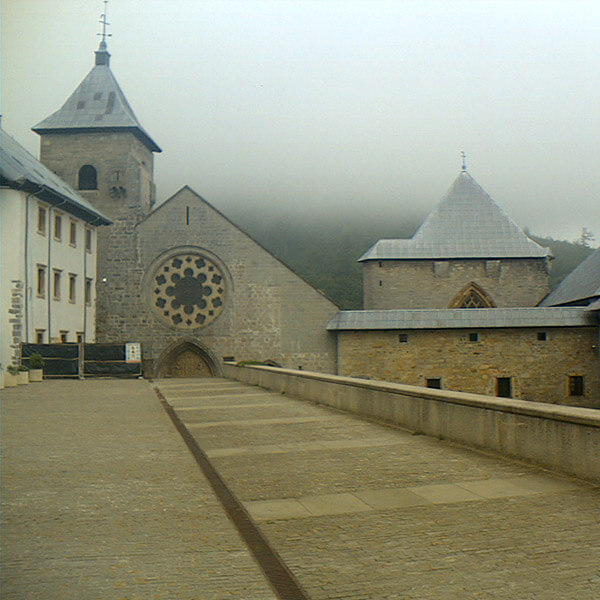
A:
179, 277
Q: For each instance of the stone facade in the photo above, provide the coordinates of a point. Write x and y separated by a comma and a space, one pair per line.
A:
539, 370
390, 284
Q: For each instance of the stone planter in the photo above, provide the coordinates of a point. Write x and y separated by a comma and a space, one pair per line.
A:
23, 377
10, 380
36, 374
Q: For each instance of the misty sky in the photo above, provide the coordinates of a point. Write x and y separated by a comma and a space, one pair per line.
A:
331, 106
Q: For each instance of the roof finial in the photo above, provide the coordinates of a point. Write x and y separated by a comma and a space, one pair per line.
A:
102, 55
464, 161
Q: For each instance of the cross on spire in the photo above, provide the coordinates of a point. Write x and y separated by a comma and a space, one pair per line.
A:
104, 22
464, 161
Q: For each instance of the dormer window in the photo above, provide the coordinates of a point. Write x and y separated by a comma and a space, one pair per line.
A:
88, 178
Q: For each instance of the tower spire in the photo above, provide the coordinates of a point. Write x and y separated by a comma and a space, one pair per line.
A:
102, 54
464, 161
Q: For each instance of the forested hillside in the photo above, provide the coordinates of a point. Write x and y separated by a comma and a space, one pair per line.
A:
324, 251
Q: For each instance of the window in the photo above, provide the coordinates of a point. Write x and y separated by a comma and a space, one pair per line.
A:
503, 387
88, 291
472, 296
576, 385
88, 178
473, 337
80, 337
542, 336
72, 287
41, 219
434, 382
380, 283
403, 338
63, 337
73, 233
58, 227
56, 284
39, 336
88, 240
41, 281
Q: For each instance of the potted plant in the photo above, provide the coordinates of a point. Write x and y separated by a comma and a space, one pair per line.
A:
36, 367
11, 376
22, 375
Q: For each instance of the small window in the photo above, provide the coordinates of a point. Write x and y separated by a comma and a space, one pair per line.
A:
380, 264
434, 382
41, 219
64, 336
403, 338
58, 227
39, 336
542, 336
72, 287
576, 385
473, 337
88, 291
504, 387
73, 233
380, 283
88, 240
80, 336
88, 178
41, 281
56, 284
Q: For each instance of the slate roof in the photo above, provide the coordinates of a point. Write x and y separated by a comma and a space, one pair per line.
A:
98, 104
467, 223
581, 285
461, 318
21, 171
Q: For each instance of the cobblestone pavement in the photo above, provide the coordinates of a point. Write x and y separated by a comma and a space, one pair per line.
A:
362, 511
101, 499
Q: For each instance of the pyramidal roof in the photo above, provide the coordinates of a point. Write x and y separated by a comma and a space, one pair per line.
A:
467, 223
581, 286
98, 104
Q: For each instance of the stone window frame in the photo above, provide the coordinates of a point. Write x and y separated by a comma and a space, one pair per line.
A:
80, 337
576, 385
73, 233
63, 336
472, 291
87, 178
58, 226
56, 283
42, 218
72, 288
42, 281
504, 387
89, 239
39, 336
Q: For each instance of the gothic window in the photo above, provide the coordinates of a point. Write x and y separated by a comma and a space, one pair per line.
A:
188, 291
88, 178
471, 296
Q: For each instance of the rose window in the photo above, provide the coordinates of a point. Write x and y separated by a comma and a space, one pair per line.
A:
189, 291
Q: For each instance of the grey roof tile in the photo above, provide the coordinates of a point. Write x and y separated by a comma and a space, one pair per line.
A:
583, 283
460, 318
98, 103
20, 170
467, 223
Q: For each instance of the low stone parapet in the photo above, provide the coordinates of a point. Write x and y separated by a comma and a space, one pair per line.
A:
560, 438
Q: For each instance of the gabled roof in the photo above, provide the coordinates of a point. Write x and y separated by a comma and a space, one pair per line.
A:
461, 318
467, 223
21, 171
98, 104
581, 286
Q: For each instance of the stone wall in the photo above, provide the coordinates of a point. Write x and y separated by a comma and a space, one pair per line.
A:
390, 284
539, 370
561, 438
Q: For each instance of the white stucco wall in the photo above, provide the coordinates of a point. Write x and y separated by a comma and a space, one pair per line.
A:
24, 249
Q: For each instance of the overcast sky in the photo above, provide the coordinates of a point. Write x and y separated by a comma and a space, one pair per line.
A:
329, 106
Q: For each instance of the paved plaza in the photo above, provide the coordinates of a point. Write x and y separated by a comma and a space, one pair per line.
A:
101, 498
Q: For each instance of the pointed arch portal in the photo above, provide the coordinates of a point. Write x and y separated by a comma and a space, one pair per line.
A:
186, 359
472, 296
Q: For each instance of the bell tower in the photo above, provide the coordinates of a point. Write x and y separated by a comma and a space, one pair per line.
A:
96, 144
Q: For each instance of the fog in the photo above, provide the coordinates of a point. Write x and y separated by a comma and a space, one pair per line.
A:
330, 108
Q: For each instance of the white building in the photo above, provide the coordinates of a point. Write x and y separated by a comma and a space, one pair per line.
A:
48, 259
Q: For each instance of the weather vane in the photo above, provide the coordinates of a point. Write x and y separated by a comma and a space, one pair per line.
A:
104, 23
464, 160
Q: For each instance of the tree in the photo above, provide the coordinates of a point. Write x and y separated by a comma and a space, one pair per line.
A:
586, 237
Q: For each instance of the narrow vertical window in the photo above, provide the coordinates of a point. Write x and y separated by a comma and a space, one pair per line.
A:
88, 178
41, 220
504, 387
88, 291
73, 233
576, 385
41, 281
187, 215
72, 287
58, 227
88, 239
56, 284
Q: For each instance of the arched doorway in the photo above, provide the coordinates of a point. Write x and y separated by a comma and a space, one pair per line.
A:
186, 360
